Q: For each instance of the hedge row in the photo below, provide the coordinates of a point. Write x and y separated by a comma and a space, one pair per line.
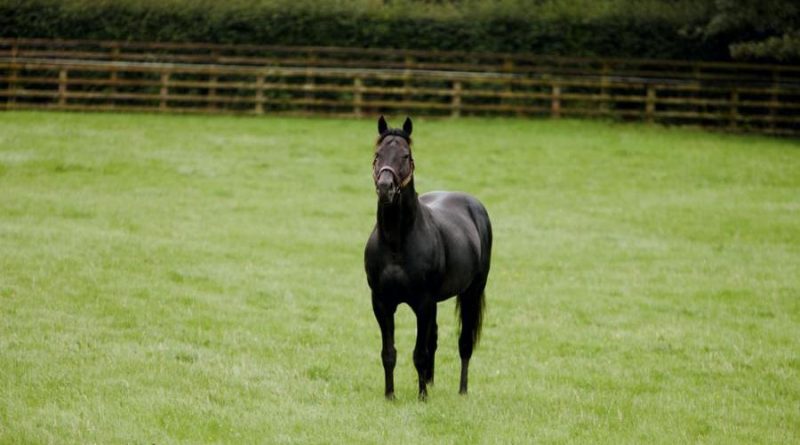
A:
495, 26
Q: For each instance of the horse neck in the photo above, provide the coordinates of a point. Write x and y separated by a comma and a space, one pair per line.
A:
397, 219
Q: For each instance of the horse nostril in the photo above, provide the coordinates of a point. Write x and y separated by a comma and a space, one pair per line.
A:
385, 187
385, 180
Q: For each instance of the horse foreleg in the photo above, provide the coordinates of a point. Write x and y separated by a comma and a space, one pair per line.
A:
433, 339
423, 356
385, 316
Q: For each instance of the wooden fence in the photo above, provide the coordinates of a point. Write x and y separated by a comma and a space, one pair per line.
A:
249, 79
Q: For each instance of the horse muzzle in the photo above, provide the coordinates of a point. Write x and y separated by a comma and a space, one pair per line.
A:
386, 187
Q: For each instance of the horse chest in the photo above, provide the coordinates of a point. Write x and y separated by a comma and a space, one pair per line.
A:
403, 277
394, 280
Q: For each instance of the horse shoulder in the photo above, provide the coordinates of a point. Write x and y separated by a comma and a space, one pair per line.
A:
372, 256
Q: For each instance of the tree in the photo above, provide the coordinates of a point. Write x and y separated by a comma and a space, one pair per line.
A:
758, 29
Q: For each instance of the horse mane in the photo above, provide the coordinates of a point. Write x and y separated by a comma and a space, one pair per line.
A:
394, 132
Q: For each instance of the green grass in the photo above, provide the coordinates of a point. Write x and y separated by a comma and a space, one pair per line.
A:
174, 279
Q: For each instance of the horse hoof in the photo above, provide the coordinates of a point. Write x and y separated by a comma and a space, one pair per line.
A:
390, 397
423, 397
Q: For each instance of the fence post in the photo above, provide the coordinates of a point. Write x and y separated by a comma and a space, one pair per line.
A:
734, 111
508, 64
555, 101
113, 76
282, 102
697, 87
358, 97
309, 86
455, 105
212, 102
62, 87
212, 92
115, 51
508, 91
259, 94
162, 106
12, 77
409, 63
696, 72
604, 86
650, 104
773, 100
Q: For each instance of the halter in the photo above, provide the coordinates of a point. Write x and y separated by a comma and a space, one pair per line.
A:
403, 182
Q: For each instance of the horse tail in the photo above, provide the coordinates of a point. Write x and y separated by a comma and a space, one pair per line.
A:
470, 309
471, 304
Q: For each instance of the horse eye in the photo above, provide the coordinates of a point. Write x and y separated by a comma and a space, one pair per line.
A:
405, 156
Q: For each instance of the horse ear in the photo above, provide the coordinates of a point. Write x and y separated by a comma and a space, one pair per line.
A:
382, 125
407, 127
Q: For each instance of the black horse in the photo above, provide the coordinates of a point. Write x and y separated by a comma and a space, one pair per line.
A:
424, 250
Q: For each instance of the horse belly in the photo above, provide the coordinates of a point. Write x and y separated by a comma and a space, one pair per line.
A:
460, 271
460, 240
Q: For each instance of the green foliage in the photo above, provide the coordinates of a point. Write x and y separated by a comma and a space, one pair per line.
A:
185, 279
784, 48
644, 28
758, 29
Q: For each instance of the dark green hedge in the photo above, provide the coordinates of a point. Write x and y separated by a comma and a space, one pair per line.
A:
366, 24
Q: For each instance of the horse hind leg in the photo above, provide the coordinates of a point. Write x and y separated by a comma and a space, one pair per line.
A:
470, 305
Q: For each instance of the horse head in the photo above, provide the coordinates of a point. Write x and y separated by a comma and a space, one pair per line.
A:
393, 166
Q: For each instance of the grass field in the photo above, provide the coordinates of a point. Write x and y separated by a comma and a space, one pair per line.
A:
175, 279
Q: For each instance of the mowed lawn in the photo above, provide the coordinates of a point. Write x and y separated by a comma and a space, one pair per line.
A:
179, 279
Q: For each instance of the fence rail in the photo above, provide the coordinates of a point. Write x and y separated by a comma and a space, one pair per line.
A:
248, 79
